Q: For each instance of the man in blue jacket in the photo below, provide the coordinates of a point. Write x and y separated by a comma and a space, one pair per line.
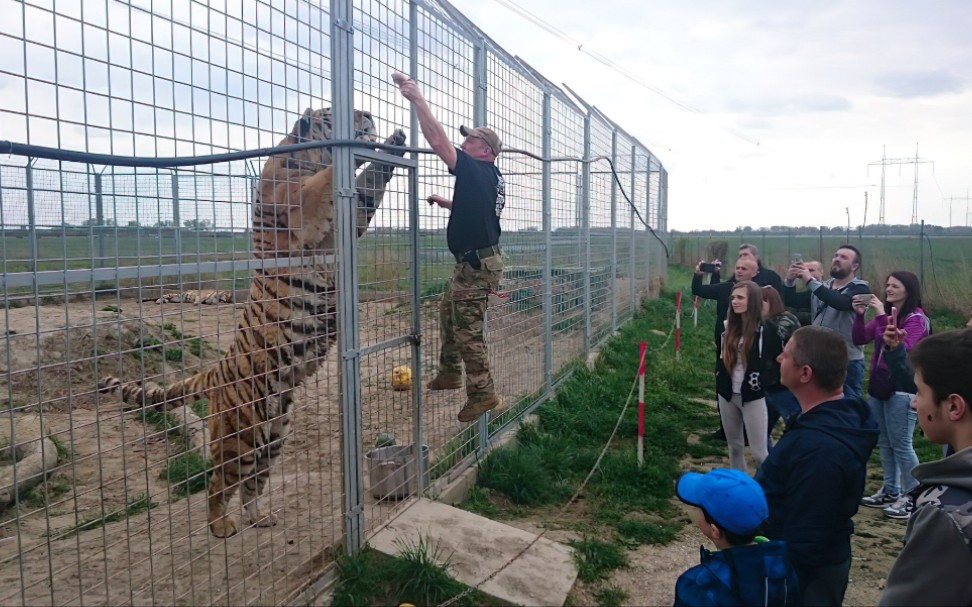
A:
814, 477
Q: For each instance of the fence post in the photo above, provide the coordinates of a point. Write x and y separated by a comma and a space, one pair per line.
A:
100, 219
31, 218
177, 217
586, 230
921, 253
414, 221
663, 223
342, 57
820, 253
647, 231
547, 250
612, 286
632, 280
479, 119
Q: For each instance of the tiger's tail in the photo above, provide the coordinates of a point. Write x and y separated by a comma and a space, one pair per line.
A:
141, 395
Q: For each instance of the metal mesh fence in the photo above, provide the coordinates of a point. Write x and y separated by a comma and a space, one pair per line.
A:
321, 329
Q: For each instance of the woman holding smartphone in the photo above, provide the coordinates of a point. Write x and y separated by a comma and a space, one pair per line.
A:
889, 400
739, 375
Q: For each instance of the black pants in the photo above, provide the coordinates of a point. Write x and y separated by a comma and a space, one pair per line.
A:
825, 585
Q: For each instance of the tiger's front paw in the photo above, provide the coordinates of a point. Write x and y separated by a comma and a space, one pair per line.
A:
224, 526
263, 518
397, 138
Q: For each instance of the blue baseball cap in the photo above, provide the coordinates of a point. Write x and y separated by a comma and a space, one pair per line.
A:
733, 500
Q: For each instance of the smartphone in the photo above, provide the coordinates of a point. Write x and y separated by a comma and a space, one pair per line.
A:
796, 258
707, 267
894, 316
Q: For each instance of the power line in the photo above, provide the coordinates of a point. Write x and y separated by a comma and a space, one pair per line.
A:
607, 62
886, 162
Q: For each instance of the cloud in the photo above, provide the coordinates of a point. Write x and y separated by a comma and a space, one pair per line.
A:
784, 105
918, 83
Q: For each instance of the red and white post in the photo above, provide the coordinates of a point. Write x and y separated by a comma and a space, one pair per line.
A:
641, 405
695, 313
678, 325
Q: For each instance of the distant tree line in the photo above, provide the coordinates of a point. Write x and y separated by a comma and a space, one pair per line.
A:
868, 230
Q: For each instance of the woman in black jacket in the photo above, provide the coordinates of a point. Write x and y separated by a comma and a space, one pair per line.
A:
739, 371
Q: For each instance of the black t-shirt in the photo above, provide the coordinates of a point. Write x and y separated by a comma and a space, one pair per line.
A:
477, 203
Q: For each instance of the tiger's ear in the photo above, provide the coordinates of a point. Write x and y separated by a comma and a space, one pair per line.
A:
304, 125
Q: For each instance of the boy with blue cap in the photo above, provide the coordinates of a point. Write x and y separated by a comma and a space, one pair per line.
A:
729, 508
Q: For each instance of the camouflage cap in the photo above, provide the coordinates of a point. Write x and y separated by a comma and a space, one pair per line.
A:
486, 134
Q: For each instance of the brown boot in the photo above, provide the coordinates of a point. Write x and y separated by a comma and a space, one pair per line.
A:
475, 408
445, 381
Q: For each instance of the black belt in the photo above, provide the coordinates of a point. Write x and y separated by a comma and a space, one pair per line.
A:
477, 254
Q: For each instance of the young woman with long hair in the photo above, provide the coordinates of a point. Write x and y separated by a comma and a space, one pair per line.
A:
889, 401
780, 325
739, 371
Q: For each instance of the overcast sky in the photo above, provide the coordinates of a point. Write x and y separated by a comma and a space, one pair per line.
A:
789, 101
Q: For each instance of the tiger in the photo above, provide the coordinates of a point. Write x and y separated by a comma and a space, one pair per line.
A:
288, 324
210, 296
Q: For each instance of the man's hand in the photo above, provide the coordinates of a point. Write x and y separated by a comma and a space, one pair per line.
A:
445, 203
407, 86
798, 270
698, 267
433, 131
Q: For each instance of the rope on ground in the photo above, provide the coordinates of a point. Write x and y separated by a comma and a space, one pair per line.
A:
563, 508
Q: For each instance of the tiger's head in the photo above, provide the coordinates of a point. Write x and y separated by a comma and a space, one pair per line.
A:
317, 125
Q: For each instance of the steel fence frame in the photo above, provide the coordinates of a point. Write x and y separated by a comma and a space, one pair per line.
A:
580, 259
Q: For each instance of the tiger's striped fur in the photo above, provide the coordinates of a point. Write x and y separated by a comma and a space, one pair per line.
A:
210, 297
288, 324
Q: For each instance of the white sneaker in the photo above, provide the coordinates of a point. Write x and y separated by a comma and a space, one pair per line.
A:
901, 509
880, 499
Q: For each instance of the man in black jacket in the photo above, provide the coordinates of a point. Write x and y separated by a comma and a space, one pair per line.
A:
764, 276
814, 477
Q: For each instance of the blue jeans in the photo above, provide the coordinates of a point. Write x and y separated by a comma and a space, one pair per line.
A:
896, 423
854, 379
783, 404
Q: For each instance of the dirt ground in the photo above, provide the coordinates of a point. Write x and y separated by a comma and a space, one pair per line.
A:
54, 356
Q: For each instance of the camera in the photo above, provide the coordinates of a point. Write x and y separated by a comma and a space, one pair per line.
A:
796, 258
708, 267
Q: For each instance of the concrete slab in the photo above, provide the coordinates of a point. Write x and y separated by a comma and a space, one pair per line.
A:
477, 546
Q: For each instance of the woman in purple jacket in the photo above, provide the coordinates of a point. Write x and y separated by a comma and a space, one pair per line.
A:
890, 402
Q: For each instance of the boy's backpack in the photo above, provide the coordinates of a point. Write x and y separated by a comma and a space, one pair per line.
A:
755, 574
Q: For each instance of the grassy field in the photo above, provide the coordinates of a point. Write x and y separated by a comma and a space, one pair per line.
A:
947, 259
384, 258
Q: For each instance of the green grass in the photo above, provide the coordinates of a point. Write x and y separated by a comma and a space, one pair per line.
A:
596, 559
173, 330
187, 473
455, 449
44, 493
610, 596
420, 575
115, 309
200, 407
173, 355
197, 346
634, 532
136, 505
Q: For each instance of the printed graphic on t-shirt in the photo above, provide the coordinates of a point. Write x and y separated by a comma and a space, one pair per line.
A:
500, 195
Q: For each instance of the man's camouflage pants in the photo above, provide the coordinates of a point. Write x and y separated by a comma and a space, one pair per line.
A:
462, 311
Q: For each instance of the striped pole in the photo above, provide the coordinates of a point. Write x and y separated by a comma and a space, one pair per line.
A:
641, 405
678, 325
695, 313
